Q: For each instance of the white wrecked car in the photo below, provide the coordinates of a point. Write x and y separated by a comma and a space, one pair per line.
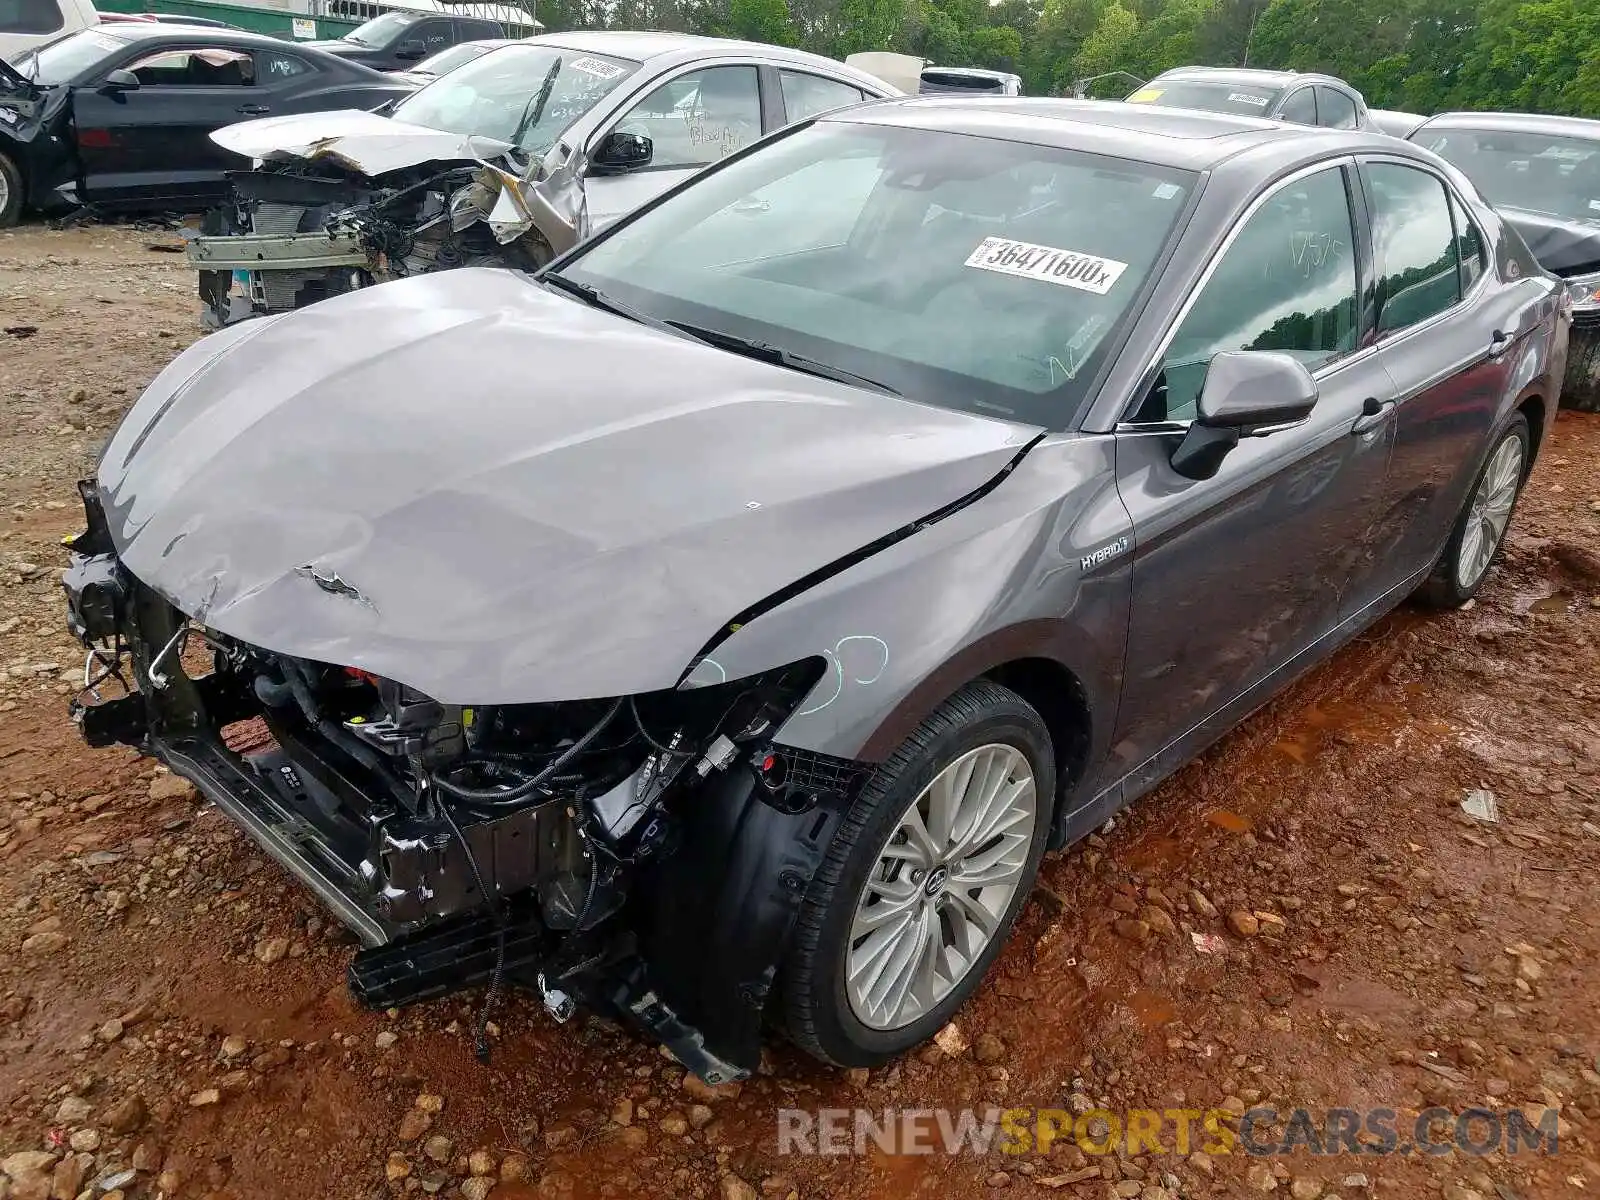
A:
508, 160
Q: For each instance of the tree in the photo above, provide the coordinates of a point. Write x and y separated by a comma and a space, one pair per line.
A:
757, 21
1110, 45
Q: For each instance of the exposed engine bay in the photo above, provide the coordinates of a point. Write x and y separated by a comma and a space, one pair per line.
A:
295, 233
532, 845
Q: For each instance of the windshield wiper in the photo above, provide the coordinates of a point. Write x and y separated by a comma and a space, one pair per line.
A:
767, 352
595, 298
535, 108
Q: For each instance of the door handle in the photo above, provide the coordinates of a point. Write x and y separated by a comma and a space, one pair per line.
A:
1374, 412
253, 110
1499, 343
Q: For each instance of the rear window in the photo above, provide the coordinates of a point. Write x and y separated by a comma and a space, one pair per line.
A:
973, 273
1537, 172
1242, 100
944, 82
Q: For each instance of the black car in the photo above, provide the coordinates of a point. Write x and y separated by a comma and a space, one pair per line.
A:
120, 117
398, 40
1543, 174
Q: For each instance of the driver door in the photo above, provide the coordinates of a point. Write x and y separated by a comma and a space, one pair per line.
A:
151, 144
1237, 577
692, 120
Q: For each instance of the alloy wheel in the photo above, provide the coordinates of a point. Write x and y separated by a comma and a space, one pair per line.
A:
1490, 512
941, 886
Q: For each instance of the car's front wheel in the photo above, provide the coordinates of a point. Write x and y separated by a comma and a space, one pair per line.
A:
10, 192
923, 881
1480, 530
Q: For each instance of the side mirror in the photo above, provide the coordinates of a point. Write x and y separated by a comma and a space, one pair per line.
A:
1247, 393
623, 152
119, 81
411, 49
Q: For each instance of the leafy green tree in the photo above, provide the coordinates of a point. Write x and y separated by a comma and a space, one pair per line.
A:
1110, 45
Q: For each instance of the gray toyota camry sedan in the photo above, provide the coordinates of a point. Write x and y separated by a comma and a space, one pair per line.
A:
715, 628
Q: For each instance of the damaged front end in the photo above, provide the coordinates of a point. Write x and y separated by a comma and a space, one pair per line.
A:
314, 221
644, 855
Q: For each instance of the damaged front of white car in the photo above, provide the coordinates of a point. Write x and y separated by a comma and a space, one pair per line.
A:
470, 171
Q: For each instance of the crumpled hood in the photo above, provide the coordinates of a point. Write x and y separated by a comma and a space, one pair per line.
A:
496, 494
365, 141
1563, 247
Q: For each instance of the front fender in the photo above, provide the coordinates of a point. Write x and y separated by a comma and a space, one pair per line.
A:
1000, 580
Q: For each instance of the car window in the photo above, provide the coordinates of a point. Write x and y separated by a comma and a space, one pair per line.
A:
1300, 107
975, 273
1243, 100
272, 66
1470, 247
524, 93
1538, 171
195, 67
30, 16
436, 35
1287, 282
807, 95
1414, 241
698, 118
1335, 109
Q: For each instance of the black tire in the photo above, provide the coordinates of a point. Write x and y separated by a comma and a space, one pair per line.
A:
1580, 389
11, 209
817, 1012
1443, 588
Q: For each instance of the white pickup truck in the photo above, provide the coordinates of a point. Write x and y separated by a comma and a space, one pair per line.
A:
25, 24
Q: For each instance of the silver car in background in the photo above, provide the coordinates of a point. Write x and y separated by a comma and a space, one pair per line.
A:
507, 160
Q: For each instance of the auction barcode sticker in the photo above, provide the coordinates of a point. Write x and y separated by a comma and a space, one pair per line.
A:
1247, 98
1070, 268
596, 67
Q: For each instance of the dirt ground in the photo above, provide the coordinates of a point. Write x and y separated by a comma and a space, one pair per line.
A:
173, 1017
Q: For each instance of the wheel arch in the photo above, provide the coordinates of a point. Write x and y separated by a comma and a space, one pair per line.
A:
1031, 659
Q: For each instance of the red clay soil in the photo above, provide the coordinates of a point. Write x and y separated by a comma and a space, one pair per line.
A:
173, 1006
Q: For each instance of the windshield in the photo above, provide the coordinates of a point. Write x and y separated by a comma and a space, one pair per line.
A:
448, 60
380, 31
504, 94
1244, 100
1539, 172
64, 60
972, 273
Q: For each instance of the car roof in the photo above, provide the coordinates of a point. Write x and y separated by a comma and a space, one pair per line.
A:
1172, 137
1579, 127
132, 32
685, 47
1248, 76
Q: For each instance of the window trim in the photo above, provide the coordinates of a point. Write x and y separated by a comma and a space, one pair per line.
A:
1344, 164
1382, 341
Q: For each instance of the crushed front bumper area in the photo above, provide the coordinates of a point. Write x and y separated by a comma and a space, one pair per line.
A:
672, 919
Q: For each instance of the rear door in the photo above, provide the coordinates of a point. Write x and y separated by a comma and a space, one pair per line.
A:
1236, 576
1447, 339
